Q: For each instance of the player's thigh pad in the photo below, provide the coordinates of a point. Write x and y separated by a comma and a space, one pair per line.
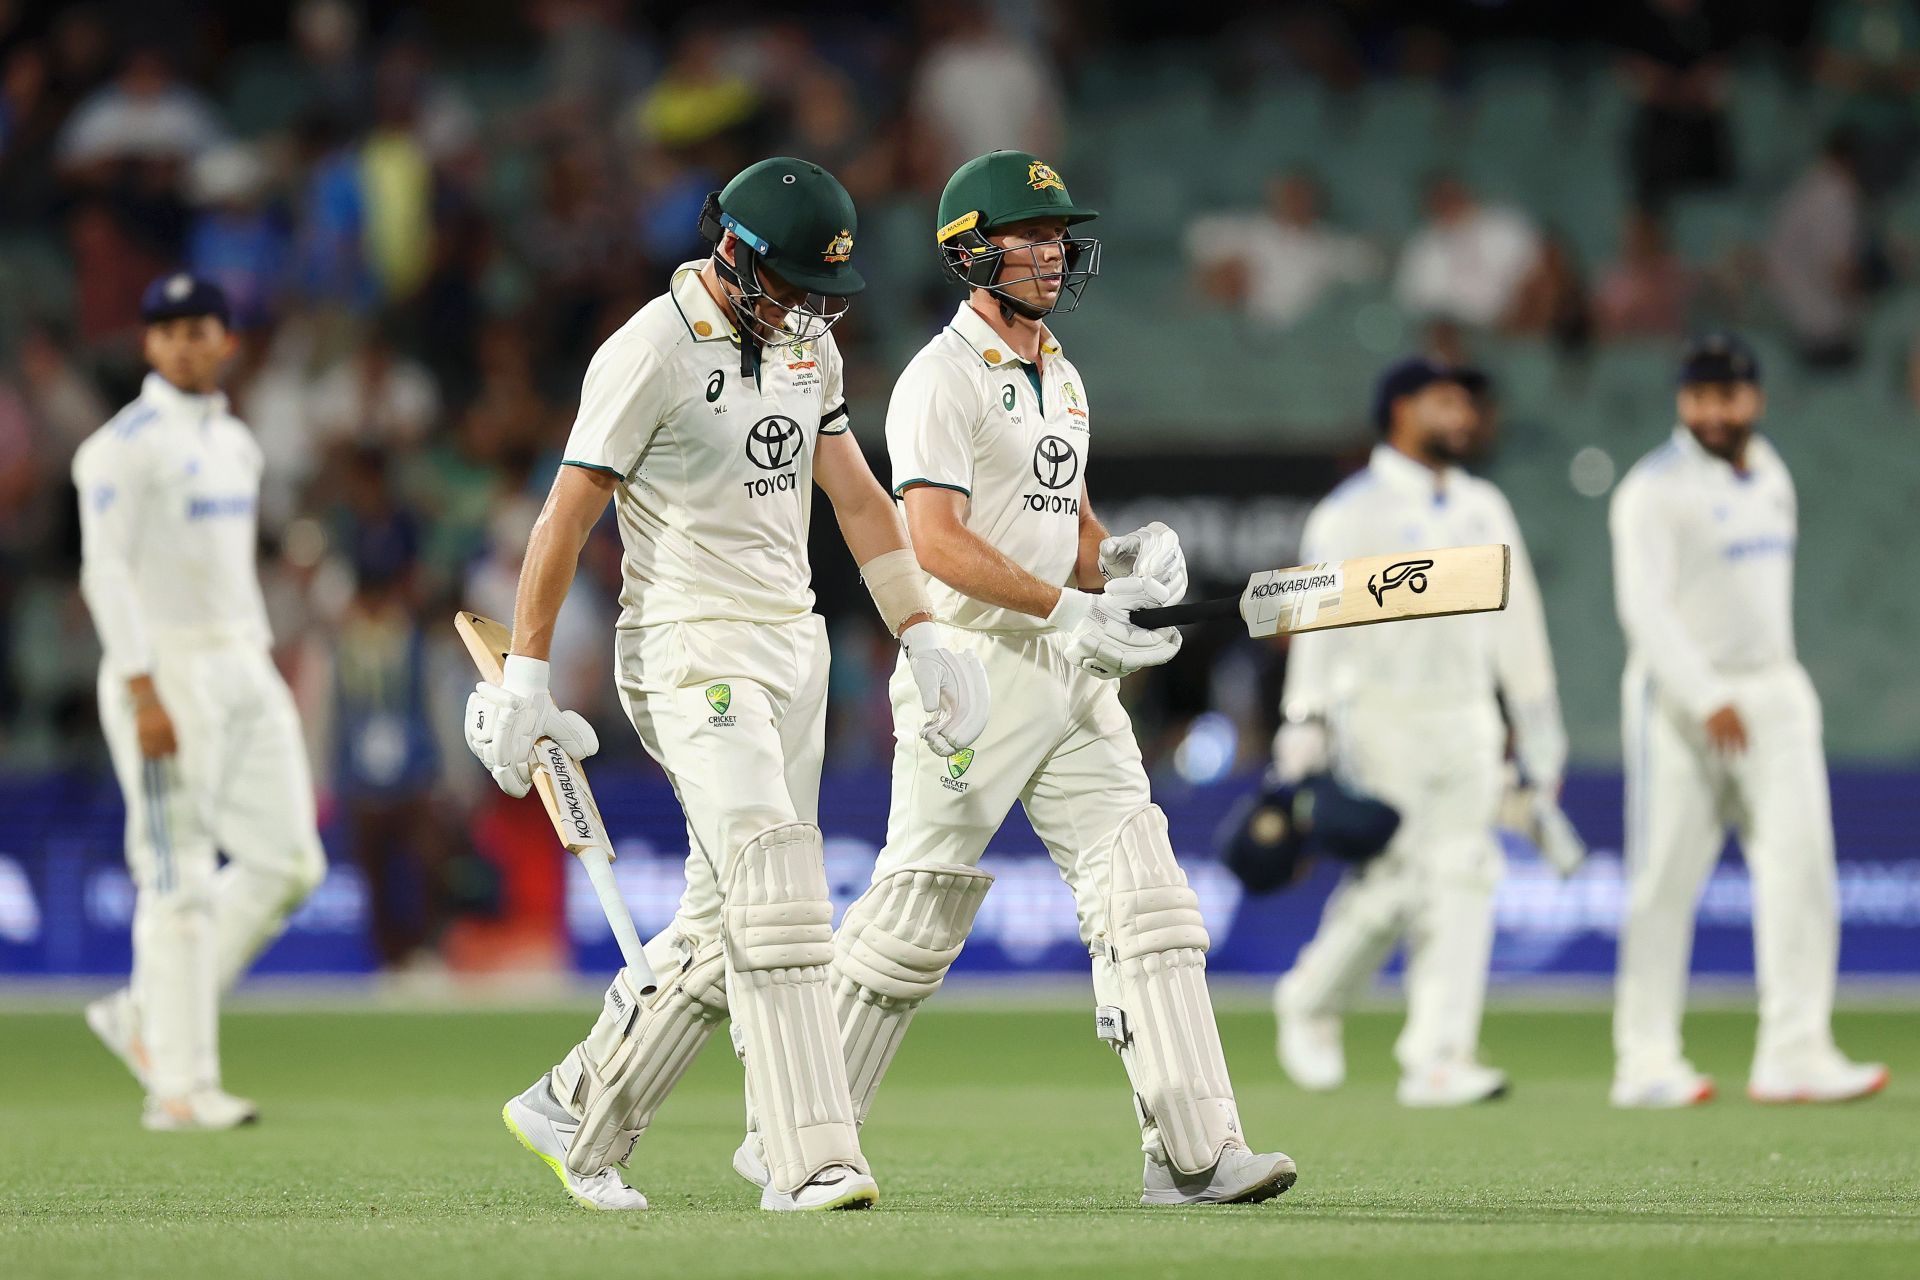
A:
616, 1079
1150, 976
891, 953
778, 928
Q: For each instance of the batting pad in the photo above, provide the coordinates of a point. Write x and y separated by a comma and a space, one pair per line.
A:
778, 926
616, 1079
1151, 980
891, 953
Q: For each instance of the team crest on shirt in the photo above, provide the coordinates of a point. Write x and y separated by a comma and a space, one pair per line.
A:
840, 248
1040, 176
720, 697
957, 765
1074, 407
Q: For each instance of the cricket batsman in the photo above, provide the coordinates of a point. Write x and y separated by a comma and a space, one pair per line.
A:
202, 730
988, 433
1721, 728
1410, 715
707, 419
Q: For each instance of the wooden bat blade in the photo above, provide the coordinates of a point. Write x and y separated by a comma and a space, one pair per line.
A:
487, 641
1369, 589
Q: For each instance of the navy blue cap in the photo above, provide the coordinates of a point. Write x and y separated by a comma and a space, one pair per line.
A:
173, 297
1718, 357
1268, 839
1407, 377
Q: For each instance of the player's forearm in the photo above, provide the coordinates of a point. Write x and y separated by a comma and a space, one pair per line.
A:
1086, 567
869, 522
980, 571
553, 555
107, 588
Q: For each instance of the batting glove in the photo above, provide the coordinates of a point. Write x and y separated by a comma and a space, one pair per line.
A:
953, 689
505, 720
1102, 642
1151, 553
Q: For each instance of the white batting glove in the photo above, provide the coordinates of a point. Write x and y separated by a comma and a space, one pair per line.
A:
1102, 642
953, 689
1152, 553
504, 721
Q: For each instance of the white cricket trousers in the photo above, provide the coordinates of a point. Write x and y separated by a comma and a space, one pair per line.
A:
1682, 797
239, 785
736, 713
1439, 765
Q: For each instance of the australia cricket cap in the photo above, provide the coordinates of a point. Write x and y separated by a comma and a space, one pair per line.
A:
176, 296
1718, 357
1004, 187
799, 220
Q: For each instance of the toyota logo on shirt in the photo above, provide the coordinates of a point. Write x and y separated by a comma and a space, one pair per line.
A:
773, 443
1055, 463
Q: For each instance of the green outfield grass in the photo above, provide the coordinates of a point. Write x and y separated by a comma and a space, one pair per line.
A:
1004, 1145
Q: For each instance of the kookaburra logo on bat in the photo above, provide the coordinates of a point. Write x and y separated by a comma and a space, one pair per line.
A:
567, 790
1409, 573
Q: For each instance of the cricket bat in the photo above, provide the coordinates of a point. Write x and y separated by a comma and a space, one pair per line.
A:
1356, 593
563, 788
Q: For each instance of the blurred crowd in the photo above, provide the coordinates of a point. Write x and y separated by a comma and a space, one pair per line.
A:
421, 263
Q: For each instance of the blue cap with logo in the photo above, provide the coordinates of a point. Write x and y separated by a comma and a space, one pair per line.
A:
1718, 357
1406, 377
181, 294
1269, 839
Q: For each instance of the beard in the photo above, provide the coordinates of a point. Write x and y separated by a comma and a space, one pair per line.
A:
1731, 442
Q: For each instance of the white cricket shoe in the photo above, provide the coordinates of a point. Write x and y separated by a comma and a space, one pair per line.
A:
1240, 1177
544, 1128
116, 1021
1452, 1084
1680, 1086
205, 1109
750, 1162
1832, 1079
1309, 1045
835, 1187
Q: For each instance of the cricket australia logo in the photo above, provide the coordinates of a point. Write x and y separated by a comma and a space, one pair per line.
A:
1411, 574
720, 697
1040, 176
957, 765
840, 248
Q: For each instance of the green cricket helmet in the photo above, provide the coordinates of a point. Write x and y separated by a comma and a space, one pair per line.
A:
795, 220
997, 190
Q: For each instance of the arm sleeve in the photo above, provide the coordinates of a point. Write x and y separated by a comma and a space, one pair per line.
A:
1524, 666
107, 475
930, 423
1307, 692
833, 391
1645, 569
622, 403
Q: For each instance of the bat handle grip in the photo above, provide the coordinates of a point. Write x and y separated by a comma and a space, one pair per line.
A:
600, 871
1179, 615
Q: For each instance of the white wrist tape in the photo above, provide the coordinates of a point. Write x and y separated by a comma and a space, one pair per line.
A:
898, 585
524, 676
1070, 610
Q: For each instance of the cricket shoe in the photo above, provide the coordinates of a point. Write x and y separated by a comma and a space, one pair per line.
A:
1309, 1045
1452, 1084
1670, 1090
837, 1186
1833, 1079
1239, 1177
116, 1021
749, 1161
207, 1109
543, 1127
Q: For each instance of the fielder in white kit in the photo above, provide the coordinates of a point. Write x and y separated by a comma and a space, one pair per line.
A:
1721, 728
203, 732
708, 418
1410, 714
988, 433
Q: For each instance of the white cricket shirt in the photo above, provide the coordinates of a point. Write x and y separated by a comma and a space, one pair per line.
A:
1703, 566
169, 489
1397, 504
716, 470
969, 415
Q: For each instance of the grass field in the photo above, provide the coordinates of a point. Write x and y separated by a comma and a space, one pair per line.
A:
1004, 1145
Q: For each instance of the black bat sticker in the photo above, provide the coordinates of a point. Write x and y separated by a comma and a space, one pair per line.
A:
1411, 574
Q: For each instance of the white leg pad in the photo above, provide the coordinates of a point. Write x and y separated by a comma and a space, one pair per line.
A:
891, 953
778, 927
174, 987
615, 1080
1151, 979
